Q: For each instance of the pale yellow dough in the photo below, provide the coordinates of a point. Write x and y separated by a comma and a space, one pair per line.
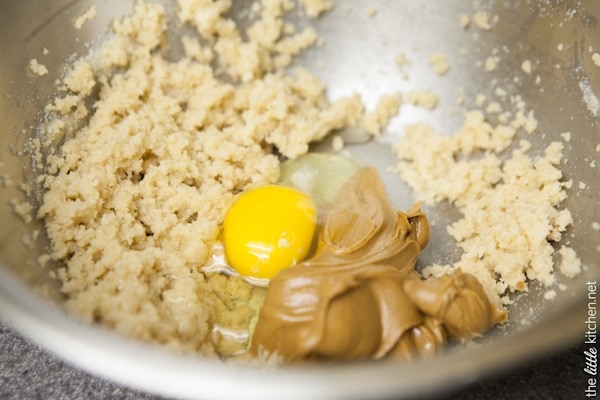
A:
136, 195
510, 208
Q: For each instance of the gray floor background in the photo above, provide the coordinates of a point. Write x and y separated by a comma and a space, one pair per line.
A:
29, 372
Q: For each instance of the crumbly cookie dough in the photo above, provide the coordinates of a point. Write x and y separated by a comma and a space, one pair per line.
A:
510, 208
135, 195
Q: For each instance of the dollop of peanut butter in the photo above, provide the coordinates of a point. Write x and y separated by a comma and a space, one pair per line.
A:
359, 297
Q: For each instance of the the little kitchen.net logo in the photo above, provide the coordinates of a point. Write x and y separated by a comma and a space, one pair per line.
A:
591, 351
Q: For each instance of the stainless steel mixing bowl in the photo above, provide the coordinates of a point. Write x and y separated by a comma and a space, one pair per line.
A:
559, 38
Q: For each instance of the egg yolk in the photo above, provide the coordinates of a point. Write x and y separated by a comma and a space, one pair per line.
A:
268, 229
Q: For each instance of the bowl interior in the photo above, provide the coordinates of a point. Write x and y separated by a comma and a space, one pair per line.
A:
557, 41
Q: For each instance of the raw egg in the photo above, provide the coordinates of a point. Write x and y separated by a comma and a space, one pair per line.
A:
268, 229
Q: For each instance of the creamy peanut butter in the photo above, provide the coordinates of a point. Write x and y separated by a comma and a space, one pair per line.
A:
359, 297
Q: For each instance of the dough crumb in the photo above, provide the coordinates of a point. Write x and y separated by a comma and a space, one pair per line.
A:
464, 21
80, 79
88, 15
596, 59
43, 260
194, 50
550, 294
494, 108
423, 98
36, 68
566, 136
482, 20
23, 209
480, 100
525, 323
400, 59
387, 108
526, 66
491, 63
562, 287
314, 8
570, 264
372, 11
337, 143
436, 271
439, 62
6, 181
